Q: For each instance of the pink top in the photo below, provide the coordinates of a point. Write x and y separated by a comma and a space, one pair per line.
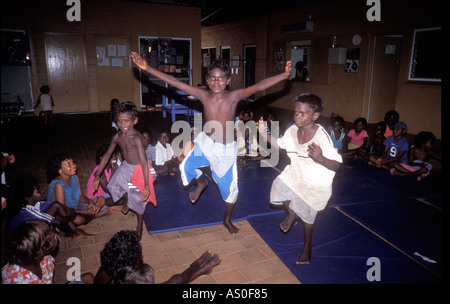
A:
90, 183
355, 139
15, 274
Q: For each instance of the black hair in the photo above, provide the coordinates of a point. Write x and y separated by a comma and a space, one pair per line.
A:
22, 188
382, 125
423, 137
392, 113
337, 118
54, 164
221, 65
45, 89
123, 249
129, 108
358, 120
162, 130
314, 101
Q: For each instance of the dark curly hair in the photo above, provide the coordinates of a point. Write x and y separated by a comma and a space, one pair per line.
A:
314, 101
123, 249
362, 120
221, 65
54, 164
127, 107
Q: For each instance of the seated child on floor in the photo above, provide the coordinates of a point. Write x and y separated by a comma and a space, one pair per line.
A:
337, 131
166, 161
355, 141
375, 145
122, 263
30, 255
395, 150
418, 157
108, 172
65, 188
247, 142
30, 199
150, 151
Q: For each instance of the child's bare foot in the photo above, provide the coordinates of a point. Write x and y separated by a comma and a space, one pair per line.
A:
195, 194
393, 171
81, 227
80, 234
286, 225
103, 212
305, 258
116, 207
231, 228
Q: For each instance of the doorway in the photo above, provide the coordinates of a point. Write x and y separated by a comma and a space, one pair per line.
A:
67, 72
384, 76
249, 66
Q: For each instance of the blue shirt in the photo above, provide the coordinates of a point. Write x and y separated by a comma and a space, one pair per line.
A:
396, 146
71, 193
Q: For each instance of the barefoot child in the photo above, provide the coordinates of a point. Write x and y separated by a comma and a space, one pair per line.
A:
418, 157
214, 149
65, 188
27, 192
131, 144
304, 187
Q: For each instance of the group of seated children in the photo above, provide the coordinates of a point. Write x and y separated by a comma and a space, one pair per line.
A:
387, 147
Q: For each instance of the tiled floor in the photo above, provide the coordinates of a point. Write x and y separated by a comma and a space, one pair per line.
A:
246, 258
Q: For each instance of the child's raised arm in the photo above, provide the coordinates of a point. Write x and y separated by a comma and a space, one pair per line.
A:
263, 84
142, 64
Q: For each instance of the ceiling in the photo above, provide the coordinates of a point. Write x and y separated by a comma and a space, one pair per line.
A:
221, 11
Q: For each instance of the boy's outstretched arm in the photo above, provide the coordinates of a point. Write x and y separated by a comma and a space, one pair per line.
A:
142, 64
264, 84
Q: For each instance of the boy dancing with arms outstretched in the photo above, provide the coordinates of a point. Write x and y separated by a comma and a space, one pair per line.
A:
304, 187
131, 144
214, 149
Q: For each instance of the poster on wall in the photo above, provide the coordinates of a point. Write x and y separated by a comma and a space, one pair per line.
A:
352, 63
279, 61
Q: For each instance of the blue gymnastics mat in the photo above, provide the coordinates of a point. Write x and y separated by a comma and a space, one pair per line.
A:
175, 211
410, 225
356, 179
340, 253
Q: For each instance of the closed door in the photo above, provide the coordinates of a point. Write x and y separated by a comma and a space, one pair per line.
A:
67, 72
114, 73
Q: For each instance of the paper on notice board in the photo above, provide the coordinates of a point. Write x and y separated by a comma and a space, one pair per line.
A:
117, 62
111, 50
121, 50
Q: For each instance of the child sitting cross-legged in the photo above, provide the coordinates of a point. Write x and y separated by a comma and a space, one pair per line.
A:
30, 198
65, 188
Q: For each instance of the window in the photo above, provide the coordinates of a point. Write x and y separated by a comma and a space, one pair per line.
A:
208, 55
168, 55
301, 59
426, 55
